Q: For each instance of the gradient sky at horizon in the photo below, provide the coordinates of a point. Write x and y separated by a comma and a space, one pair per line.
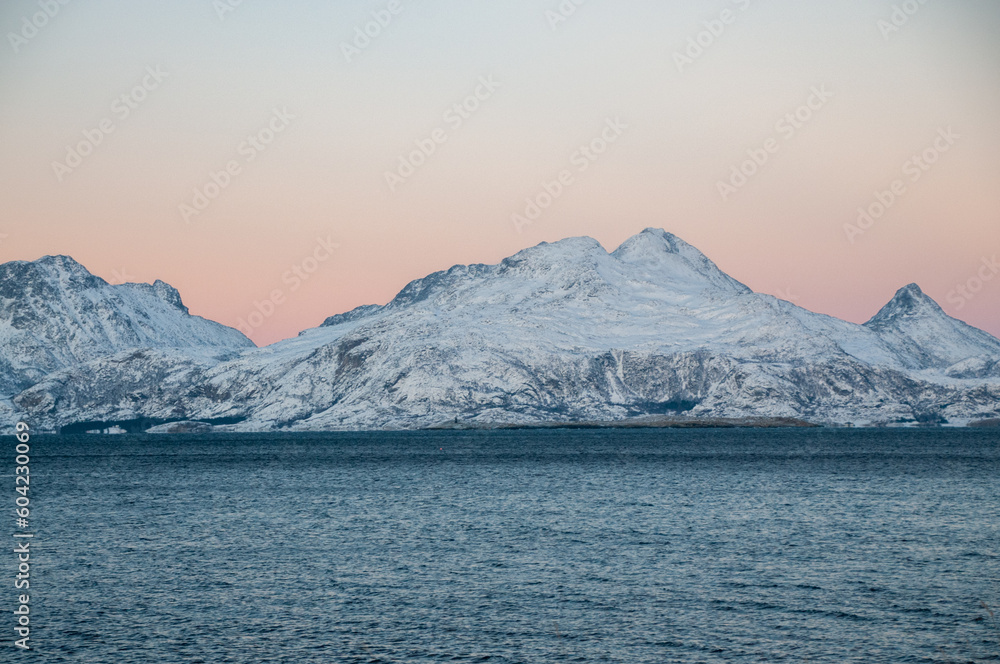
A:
782, 232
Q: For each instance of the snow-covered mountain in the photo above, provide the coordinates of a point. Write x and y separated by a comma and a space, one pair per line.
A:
556, 333
923, 336
54, 314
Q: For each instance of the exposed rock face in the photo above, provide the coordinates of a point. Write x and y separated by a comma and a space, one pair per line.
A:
559, 332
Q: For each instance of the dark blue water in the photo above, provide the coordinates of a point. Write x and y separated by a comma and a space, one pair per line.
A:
556, 546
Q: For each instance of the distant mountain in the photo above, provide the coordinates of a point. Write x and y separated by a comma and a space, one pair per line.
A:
561, 332
54, 314
925, 337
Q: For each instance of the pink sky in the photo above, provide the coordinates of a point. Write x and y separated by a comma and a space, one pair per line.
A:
531, 91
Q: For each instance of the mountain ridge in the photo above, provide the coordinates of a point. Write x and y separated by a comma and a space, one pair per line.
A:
55, 314
560, 332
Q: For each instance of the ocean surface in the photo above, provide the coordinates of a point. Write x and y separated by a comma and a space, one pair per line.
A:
627, 546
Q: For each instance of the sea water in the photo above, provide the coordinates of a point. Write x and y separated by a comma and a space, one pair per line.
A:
630, 546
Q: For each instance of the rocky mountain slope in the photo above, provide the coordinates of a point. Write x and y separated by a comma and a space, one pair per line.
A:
559, 332
54, 314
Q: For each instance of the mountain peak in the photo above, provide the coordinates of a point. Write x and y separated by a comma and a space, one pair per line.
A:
908, 302
911, 290
58, 259
62, 272
572, 253
650, 243
47, 275
673, 260
169, 294
568, 248
65, 265
59, 315
922, 335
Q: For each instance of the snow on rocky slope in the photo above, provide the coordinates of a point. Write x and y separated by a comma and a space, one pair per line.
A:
924, 337
54, 314
560, 332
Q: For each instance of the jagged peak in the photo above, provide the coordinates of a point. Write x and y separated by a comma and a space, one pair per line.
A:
61, 260
58, 262
53, 269
50, 270
169, 294
911, 290
908, 302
